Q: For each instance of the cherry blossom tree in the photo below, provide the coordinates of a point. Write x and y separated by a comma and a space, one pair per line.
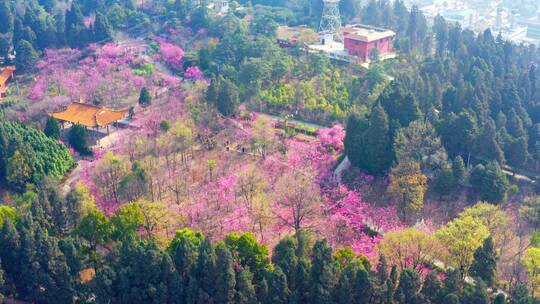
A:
298, 200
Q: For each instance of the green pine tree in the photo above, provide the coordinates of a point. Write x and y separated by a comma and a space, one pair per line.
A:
27, 56
245, 291
205, 271
490, 182
408, 287
78, 139
228, 98
52, 128
284, 256
432, 289
458, 169
6, 17
322, 277
369, 145
278, 290
484, 265
225, 276
145, 99
102, 29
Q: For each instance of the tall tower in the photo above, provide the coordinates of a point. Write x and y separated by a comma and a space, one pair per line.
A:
330, 20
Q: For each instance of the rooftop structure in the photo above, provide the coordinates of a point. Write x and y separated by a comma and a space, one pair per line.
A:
6, 74
89, 115
367, 33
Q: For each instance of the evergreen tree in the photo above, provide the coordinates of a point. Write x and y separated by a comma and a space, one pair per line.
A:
453, 283
56, 280
391, 284
5, 47
6, 17
212, 93
345, 285
382, 269
362, 286
102, 29
262, 291
183, 250
490, 182
520, 294
245, 291
284, 256
138, 272
76, 33
370, 149
204, 273
20, 170
322, 276
408, 287
278, 290
225, 276
10, 245
228, 99
432, 290
200, 18
450, 299
52, 129
445, 182
515, 125
484, 265
478, 294
144, 97
77, 138
27, 56
499, 299
486, 146
458, 133
1, 282
400, 105
458, 169
302, 275
516, 152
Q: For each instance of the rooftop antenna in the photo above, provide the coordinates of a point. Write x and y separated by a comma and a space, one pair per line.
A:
331, 20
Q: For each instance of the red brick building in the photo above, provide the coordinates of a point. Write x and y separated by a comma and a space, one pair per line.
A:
359, 40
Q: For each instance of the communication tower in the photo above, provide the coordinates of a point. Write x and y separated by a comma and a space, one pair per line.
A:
331, 20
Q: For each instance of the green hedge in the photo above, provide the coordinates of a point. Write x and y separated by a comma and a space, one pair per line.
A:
44, 156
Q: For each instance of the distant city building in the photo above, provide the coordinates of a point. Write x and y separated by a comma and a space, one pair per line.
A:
533, 30
466, 17
360, 40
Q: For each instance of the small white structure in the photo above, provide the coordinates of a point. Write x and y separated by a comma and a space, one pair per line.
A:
221, 6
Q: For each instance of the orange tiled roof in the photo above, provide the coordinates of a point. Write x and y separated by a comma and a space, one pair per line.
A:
5, 74
89, 115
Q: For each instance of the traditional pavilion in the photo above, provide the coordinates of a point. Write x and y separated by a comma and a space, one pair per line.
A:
6, 74
89, 115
